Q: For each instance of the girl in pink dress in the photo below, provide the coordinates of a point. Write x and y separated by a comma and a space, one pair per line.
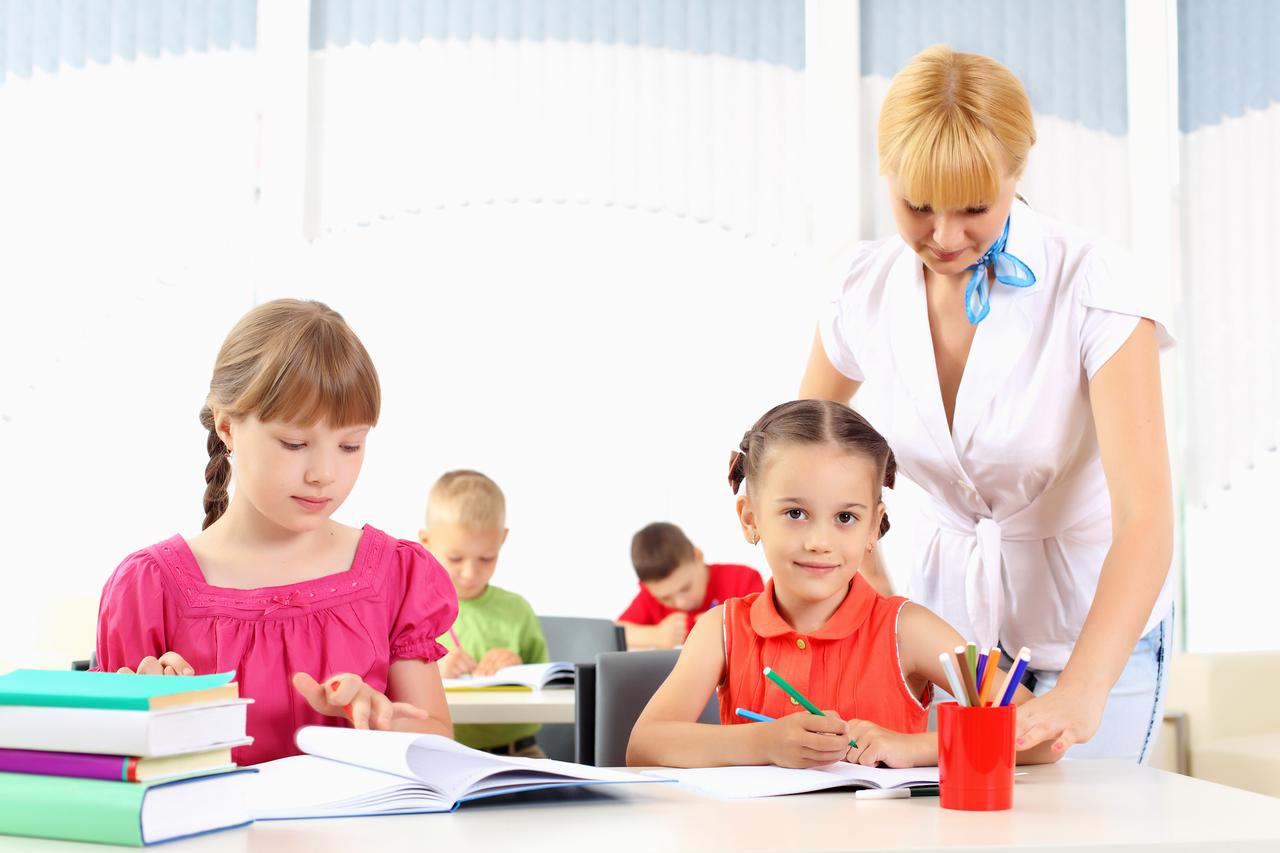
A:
273, 587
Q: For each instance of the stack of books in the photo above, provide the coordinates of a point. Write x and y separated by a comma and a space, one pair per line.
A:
120, 759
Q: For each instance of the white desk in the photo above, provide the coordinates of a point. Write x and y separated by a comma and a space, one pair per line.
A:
1094, 805
501, 706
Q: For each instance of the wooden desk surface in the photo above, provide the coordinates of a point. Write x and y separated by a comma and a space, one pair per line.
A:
501, 706
1075, 805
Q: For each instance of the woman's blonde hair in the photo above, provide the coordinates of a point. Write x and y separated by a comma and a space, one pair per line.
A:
286, 360
951, 126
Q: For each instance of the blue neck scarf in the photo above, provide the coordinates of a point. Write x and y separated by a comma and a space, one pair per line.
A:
1007, 269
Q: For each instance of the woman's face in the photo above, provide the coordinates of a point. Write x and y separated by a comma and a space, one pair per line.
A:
947, 241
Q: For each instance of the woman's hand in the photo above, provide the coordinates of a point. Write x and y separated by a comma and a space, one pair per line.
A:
495, 659
347, 695
878, 745
456, 664
169, 663
1067, 715
804, 740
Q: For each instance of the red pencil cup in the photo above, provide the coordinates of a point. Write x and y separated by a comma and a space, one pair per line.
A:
976, 757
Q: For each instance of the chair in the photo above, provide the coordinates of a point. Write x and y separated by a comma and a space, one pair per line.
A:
577, 640
625, 681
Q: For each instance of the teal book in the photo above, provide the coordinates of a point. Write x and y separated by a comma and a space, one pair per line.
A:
129, 815
61, 688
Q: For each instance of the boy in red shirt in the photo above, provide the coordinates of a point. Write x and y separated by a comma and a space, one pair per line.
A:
676, 587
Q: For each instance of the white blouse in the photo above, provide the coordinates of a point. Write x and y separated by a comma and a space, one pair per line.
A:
1019, 499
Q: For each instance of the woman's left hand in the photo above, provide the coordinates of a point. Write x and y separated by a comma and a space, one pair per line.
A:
1067, 715
346, 695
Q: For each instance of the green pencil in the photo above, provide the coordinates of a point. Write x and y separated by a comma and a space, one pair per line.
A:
796, 695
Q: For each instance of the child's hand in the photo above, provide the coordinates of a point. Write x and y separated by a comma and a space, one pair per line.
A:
347, 695
456, 664
169, 663
496, 659
672, 630
877, 745
804, 740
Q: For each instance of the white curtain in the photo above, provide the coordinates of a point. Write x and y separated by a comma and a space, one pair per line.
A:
1229, 118
691, 107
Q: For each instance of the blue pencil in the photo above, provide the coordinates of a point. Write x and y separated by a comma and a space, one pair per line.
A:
752, 715
1015, 676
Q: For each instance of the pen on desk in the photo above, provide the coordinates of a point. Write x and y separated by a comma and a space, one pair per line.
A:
966, 674
896, 793
796, 695
1011, 683
953, 678
752, 715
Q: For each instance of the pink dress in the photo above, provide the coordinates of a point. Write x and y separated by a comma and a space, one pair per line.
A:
392, 604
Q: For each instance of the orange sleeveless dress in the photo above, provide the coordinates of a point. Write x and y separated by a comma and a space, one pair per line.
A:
849, 665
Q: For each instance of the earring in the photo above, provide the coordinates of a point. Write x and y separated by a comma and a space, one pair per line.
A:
755, 538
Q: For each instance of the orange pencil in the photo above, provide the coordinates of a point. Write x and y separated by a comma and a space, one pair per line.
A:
988, 674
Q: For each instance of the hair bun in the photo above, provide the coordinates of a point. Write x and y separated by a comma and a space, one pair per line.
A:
737, 470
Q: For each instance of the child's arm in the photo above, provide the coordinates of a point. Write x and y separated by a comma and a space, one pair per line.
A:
667, 634
666, 735
417, 683
922, 636
414, 701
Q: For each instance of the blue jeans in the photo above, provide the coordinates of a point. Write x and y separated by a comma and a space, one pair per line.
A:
1131, 721
1135, 706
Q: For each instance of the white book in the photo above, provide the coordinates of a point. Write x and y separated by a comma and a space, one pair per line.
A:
770, 781
348, 772
146, 734
525, 676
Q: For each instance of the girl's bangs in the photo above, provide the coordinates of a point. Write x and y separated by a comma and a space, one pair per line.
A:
329, 379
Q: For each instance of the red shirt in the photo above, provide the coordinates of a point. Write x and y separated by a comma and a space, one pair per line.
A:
724, 581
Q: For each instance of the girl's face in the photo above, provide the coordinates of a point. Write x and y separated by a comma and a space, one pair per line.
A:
295, 476
816, 513
947, 241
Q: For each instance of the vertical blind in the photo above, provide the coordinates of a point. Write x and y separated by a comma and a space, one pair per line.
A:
1229, 122
692, 107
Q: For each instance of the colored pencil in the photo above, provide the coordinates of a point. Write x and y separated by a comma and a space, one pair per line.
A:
796, 695
953, 678
974, 660
1011, 683
989, 675
970, 689
752, 715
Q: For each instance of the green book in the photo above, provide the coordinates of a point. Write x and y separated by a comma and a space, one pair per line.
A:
131, 815
64, 688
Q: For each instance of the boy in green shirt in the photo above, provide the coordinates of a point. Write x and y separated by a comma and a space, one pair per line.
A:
466, 527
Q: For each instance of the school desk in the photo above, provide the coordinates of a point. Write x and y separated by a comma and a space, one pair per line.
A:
1076, 805
502, 706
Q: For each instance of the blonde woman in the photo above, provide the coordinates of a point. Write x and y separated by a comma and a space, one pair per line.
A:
1021, 366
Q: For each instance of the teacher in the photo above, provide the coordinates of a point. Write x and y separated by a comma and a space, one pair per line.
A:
1019, 366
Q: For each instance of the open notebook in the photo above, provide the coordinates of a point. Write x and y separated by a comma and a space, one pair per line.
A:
348, 772
525, 676
770, 781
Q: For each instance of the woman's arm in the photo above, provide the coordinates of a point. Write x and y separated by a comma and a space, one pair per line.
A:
1128, 414
822, 381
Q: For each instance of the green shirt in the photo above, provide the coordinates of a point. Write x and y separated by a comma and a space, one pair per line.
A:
497, 619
